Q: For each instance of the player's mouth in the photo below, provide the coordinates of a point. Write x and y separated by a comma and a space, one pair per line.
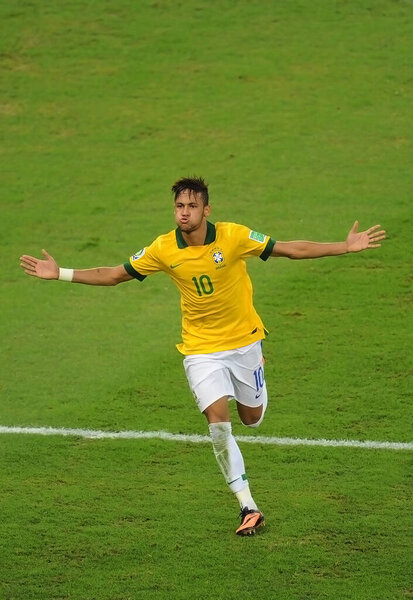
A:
186, 226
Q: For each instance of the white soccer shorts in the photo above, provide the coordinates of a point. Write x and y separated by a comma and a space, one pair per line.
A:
235, 373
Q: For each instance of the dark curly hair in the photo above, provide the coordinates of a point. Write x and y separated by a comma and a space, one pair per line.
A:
194, 184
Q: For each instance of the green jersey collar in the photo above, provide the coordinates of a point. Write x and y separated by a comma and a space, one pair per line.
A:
209, 238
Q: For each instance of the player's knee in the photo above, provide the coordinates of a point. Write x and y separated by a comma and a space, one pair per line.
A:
252, 421
221, 434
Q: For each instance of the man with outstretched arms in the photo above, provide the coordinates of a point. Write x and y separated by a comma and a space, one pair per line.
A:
221, 331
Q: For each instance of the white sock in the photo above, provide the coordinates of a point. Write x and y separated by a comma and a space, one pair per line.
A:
245, 499
231, 462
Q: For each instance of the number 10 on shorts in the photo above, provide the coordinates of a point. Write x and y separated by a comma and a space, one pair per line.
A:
259, 379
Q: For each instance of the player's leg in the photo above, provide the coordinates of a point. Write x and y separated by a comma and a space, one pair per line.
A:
212, 387
251, 416
226, 449
247, 374
231, 463
217, 411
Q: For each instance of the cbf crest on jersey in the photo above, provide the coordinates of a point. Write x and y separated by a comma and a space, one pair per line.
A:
217, 256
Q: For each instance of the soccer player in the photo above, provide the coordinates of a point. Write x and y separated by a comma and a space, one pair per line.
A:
221, 331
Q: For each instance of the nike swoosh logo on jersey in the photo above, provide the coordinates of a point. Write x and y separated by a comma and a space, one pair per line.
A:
257, 396
174, 266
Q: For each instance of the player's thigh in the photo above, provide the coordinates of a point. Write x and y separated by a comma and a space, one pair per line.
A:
218, 411
250, 415
209, 381
248, 378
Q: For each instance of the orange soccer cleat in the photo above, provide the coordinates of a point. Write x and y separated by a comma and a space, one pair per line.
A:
250, 521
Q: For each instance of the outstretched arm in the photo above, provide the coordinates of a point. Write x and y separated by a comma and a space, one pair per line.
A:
48, 269
355, 242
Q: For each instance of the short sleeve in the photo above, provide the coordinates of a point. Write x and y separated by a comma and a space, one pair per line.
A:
145, 262
253, 243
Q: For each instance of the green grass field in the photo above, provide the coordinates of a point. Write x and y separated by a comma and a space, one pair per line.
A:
299, 116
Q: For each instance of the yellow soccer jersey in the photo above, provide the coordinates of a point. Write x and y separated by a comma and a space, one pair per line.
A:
216, 291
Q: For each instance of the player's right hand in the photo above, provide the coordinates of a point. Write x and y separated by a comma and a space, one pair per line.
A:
44, 269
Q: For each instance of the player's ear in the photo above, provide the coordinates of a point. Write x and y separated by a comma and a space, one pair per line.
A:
207, 210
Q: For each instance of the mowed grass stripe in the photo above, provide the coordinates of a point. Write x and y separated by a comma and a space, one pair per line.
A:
196, 438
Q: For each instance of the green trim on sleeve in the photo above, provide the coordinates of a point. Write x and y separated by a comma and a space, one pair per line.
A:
131, 271
268, 249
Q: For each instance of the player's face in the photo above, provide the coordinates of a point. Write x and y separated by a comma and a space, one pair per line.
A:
190, 211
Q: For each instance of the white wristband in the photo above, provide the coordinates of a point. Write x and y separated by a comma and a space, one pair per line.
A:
65, 274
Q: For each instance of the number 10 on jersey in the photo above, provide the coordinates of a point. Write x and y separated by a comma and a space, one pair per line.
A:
203, 285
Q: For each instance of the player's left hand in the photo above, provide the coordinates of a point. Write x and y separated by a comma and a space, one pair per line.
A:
364, 240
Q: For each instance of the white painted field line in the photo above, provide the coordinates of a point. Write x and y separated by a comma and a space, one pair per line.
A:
180, 437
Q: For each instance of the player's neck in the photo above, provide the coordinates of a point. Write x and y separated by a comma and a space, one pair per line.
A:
196, 237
